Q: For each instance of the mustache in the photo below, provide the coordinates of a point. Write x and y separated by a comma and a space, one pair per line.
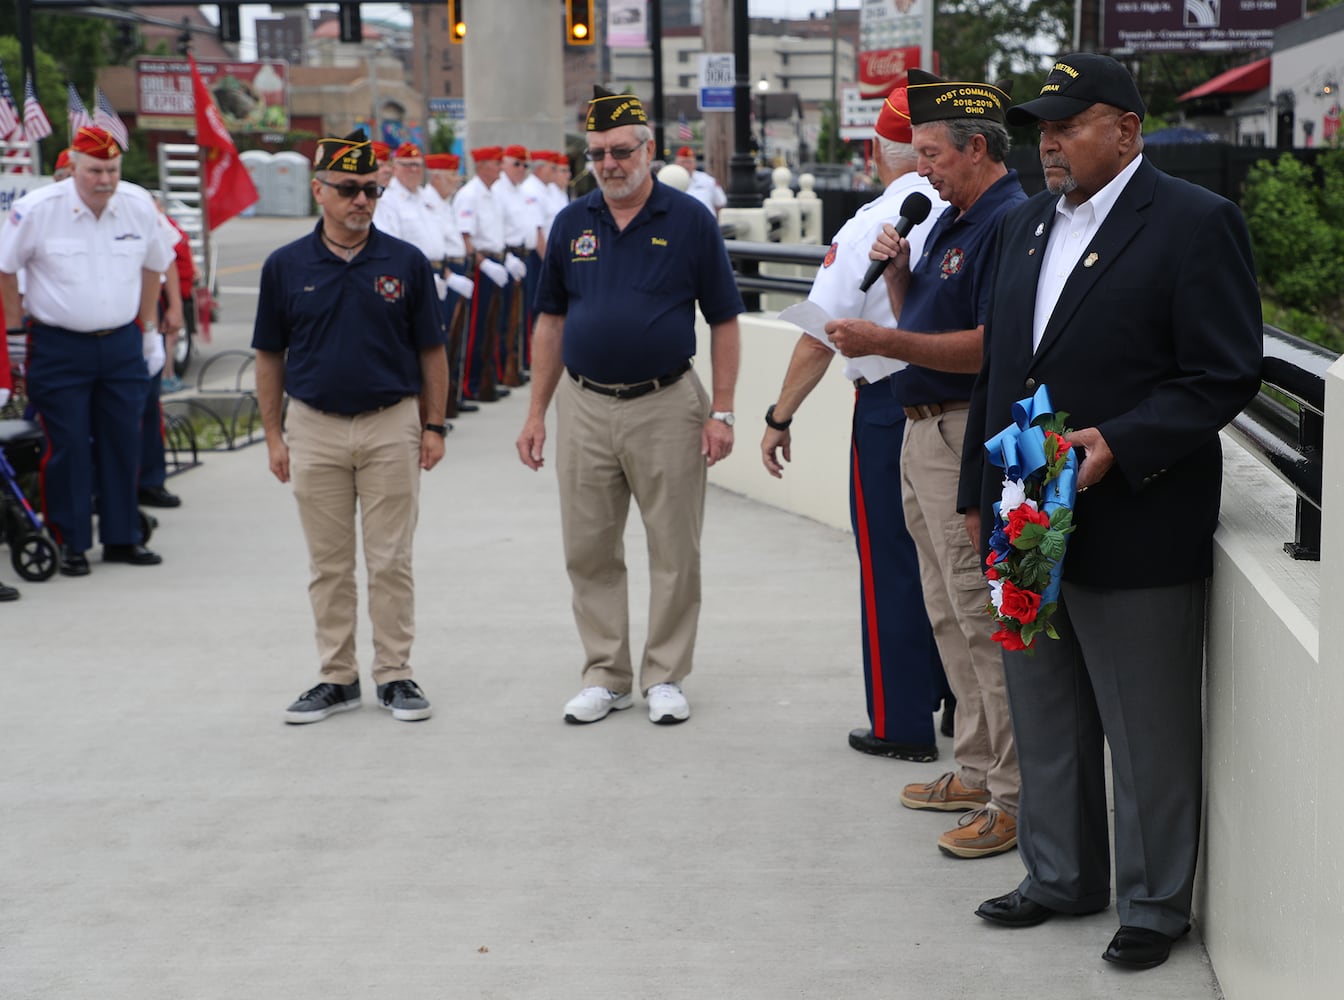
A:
1055, 161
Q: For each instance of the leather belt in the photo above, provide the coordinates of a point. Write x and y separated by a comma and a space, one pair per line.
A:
922, 411
459, 261
860, 382
634, 390
517, 251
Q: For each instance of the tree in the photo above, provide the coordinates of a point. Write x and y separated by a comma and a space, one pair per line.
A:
79, 45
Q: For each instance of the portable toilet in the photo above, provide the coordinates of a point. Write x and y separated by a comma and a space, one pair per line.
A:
258, 162
289, 183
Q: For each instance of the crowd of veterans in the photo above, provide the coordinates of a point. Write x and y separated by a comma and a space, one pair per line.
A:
89, 282
417, 297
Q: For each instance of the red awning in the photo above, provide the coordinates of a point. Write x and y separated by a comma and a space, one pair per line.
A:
1241, 80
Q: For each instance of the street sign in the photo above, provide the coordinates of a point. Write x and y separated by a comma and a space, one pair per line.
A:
452, 108
718, 75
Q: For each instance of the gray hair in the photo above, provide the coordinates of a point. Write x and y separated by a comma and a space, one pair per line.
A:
997, 143
642, 132
893, 153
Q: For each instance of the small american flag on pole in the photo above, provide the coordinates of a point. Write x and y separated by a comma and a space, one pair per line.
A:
35, 123
79, 115
684, 132
105, 116
9, 117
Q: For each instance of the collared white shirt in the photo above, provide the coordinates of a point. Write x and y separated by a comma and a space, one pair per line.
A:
836, 286
521, 218
535, 191
1072, 232
453, 243
705, 189
479, 216
414, 216
83, 272
559, 198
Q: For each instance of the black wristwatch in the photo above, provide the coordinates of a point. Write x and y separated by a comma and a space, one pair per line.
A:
440, 429
772, 423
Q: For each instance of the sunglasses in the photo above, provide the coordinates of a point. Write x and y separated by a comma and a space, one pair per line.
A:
617, 153
349, 190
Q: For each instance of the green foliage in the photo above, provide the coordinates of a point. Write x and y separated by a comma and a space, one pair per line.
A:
1295, 229
993, 39
78, 46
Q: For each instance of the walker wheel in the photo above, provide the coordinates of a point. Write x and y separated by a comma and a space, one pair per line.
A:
34, 558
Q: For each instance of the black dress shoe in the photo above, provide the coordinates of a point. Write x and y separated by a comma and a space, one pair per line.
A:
949, 726
73, 563
136, 555
1139, 947
158, 496
1014, 910
467, 408
8, 593
864, 741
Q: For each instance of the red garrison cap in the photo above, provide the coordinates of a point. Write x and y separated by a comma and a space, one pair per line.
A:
516, 152
96, 142
685, 151
487, 153
893, 121
440, 161
408, 151
63, 158
381, 151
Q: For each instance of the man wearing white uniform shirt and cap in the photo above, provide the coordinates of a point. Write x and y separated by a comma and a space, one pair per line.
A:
903, 676
92, 256
703, 187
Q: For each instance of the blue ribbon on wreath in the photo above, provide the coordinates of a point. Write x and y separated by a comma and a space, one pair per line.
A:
1019, 449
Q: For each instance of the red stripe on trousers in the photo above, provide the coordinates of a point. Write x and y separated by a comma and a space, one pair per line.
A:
869, 602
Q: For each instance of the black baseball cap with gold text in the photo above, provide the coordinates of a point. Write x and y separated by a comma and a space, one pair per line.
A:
1078, 81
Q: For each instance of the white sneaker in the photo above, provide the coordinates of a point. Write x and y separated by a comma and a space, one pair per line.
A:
595, 703
667, 705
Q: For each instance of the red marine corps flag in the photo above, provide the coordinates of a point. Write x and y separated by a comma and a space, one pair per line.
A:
228, 185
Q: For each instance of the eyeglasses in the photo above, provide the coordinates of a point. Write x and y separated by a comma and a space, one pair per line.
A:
349, 190
617, 153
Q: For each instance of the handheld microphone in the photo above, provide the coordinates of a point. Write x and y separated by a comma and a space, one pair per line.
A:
914, 210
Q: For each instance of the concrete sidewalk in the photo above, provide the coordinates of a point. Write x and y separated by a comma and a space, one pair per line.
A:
164, 835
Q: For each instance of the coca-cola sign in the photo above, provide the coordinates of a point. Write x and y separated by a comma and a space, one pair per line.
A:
883, 70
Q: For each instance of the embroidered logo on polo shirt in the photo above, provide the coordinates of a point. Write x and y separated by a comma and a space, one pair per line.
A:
388, 287
657, 241
952, 261
829, 259
584, 247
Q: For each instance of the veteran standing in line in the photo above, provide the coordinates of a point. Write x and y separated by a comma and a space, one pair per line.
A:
941, 301
1132, 296
625, 267
348, 325
902, 675
92, 252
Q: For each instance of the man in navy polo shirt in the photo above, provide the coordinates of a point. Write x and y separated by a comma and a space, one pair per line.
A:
941, 304
615, 333
348, 325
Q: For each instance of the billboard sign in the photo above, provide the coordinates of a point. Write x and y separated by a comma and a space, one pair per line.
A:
252, 97
1194, 25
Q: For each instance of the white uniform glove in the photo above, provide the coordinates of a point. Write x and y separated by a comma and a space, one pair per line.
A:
151, 346
515, 266
495, 271
4, 397
461, 284
441, 287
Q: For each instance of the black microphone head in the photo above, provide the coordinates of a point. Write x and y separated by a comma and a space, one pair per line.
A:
916, 208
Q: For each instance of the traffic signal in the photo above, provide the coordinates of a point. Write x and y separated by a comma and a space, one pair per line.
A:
352, 28
579, 24
230, 23
457, 25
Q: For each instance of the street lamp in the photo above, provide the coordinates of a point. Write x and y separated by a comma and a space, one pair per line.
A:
763, 89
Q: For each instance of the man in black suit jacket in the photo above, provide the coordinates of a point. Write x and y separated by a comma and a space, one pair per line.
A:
1132, 296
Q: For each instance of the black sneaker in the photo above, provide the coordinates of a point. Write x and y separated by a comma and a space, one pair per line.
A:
405, 700
317, 703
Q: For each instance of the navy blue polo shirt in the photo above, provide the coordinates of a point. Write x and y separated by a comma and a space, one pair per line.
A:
949, 285
628, 296
354, 329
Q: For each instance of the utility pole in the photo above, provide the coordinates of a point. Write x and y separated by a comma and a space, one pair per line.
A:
718, 125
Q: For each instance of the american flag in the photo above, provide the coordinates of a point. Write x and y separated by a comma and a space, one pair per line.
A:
35, 123
105, 116
9, 118
79, 115
684, 132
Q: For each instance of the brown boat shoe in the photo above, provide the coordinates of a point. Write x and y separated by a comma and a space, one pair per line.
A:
947, 794
979, 834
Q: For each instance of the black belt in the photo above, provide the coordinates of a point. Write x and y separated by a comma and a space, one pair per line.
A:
633, 391
459, 261
517, 251
860, 382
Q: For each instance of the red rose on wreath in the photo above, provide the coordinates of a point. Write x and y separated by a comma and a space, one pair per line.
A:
1009, 639
1062, 445
1023, 515
1018, 604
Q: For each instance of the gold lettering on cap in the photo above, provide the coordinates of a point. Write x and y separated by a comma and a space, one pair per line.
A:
1066, 68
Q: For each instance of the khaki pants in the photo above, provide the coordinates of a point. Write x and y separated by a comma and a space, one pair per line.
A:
371, 460
955, 596
610, 450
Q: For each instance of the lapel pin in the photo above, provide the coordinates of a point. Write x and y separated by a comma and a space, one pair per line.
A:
1091, 259
1031, 252
1040, 228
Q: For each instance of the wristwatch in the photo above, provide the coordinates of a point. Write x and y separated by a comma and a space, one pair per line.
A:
440, 429
772, 423
725, 415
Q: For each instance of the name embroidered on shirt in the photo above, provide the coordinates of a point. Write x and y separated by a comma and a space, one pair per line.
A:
658, 241
127, 236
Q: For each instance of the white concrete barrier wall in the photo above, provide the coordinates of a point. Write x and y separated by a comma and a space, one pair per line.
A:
1270, 900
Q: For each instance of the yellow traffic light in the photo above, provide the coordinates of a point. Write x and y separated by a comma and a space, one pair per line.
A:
579, 22
457, 25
